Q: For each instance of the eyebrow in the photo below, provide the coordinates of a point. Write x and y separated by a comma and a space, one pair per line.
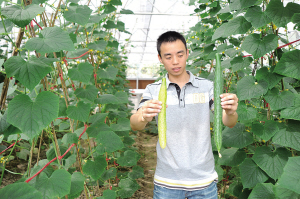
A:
181, 51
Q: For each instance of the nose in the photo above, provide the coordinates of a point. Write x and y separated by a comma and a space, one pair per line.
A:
175, 60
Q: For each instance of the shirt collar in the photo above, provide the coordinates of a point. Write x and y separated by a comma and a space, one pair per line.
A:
191, 80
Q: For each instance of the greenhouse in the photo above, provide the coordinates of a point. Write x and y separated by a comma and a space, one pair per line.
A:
149, 99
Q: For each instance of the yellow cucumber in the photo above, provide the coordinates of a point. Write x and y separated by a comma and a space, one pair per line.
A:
162, 121
218, 90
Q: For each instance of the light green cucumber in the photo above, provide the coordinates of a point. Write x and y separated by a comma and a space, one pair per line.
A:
162, 121
218, 90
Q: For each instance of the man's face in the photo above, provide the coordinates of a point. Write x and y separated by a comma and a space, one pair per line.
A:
174, 56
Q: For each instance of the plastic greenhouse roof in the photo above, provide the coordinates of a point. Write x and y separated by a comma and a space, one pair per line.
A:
152, 18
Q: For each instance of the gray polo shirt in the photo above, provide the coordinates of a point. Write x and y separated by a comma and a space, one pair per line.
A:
187, 162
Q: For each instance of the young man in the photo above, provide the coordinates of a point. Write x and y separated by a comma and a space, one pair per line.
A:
185, 168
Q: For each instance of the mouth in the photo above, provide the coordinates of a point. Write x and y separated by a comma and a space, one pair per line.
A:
176, 69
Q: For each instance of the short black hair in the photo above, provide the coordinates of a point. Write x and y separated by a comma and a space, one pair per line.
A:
169, 36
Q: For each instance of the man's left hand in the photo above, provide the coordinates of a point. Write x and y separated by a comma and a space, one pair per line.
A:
229, 103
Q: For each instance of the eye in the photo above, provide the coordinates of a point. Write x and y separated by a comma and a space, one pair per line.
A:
168, 58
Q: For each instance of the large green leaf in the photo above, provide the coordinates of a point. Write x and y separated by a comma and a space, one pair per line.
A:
98, 45
288, 65
258, 47
257, 17
251, 174
22, 17
270, 129
29, 73
129, 158
247, 88
77, 183
97, 118
291, 113
263, 190
79, 14
81, 112
279, 100
232, 157
108, 73
272, 162
53, 39
236, 136
109, 8
90, 92
290, 136
108, 194
123, 124
95, 129
284, 193
3, 122
241, 4
127, 188
95, 168
279, 14
290, 178
109, 99
108, 174
137, 172
238, 25
31, 117
246, 113
8, 26
239, 63
21, 190
82, 73
270, 77
109, 141
58, 185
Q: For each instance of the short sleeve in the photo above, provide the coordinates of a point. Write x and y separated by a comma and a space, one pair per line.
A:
146, 96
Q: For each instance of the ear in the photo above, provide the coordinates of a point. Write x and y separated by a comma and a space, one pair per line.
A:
159, 58
187, 53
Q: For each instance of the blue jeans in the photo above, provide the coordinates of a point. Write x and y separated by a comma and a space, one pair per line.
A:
211, 192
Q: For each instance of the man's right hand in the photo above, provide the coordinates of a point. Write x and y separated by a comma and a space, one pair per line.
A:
150, 109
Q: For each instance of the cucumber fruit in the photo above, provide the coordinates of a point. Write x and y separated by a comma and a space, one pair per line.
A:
162, 122
218, 90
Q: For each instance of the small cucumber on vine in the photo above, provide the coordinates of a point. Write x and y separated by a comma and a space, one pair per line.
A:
218, 89
162, 121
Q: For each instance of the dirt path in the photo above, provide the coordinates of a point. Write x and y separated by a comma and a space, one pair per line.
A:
146, 143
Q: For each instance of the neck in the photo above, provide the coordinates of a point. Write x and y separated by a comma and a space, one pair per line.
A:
181, 80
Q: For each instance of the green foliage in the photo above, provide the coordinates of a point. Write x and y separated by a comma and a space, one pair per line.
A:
260, 154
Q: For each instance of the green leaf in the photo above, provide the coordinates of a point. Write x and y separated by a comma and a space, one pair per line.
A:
54, 39
254, 89
272, 162
288, 65
123, 124
98, 45
127, 188
96, 18
110, 141
251, 174
137, 172
122, 97
290, 136
291, 113
22, 17
95, 129
82, 73
129, 158
238, 25
3, 122
270, 129
95, 168
70, 138
246, 113
258, 47
8, 26
107, 99
77, 183
81, 112
79, 14
31, 117
21, 190
235, 188
279, 14
241, 4
108, 8
90, 92
232, 157
279, 100
58, 185
283, 193
108, 73
125, 11
98, 118
270, 77
108, 174
263, 190
291, 175
29, 73
239, 63
108, 194
77, 53
236, 136
257, 17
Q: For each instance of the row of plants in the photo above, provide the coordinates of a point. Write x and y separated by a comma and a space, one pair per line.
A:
260, 155
64, 96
